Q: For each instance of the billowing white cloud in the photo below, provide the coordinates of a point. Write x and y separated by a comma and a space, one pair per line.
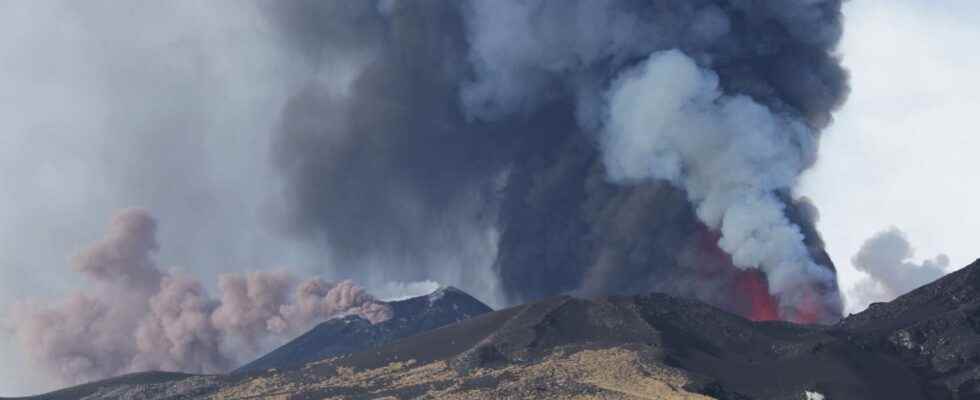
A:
668, 119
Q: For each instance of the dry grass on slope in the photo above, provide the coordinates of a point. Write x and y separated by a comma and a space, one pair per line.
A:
609, 373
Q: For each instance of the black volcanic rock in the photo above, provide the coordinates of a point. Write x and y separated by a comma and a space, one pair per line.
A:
772, 360
728, 355
923, 345
560, 321
350, 334
935, 330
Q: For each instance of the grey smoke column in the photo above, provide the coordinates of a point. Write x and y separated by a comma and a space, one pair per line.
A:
887, 259
133, 316
434, 122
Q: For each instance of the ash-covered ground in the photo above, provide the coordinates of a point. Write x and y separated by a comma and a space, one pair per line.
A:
923, 345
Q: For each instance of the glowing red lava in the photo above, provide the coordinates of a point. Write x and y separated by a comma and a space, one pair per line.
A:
752, 285
746, 291
809, 310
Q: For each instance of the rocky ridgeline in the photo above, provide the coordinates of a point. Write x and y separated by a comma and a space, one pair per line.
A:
350, 334
923, 345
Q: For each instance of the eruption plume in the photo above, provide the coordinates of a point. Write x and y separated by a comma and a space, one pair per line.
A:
668, 120
611, 146
136, 317
516, 149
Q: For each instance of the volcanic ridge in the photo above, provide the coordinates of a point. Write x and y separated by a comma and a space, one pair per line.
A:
923, 345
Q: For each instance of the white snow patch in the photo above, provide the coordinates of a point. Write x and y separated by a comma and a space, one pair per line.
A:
813, 396
395, 291
440, 293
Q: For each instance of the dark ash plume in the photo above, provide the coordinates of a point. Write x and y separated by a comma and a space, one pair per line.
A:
887, 259
433, 122
136, 317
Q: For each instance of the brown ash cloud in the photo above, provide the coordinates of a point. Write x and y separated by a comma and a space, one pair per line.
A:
133, 316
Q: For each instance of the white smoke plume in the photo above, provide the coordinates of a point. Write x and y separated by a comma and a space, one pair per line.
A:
134, 316
682, 92
887, 259
669, 120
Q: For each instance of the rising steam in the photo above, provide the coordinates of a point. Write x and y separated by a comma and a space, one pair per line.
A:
133, 316
669, 120
887, 259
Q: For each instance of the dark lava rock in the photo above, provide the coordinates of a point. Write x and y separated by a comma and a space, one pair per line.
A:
351, 334
561, 321
934, 330
923, 345
737, 358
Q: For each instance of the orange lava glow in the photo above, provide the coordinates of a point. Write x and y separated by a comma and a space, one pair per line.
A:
753, 286
809, 310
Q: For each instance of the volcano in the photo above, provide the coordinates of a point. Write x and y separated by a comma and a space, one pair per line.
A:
347, 335
923, 345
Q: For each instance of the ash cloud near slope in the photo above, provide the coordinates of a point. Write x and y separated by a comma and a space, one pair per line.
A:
887, 259
133, 316
440, 121
461, 141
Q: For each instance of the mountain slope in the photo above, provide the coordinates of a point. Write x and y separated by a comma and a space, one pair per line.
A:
924, 345
152, 378
716, 353
935, 330
350, 334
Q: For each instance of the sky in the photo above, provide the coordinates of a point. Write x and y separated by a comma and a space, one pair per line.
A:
165, 106
900, 152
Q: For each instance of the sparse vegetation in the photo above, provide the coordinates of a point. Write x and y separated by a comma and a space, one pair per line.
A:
609, 373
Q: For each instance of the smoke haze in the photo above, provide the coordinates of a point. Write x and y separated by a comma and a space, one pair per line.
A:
515, 149
887, 259
132, 316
